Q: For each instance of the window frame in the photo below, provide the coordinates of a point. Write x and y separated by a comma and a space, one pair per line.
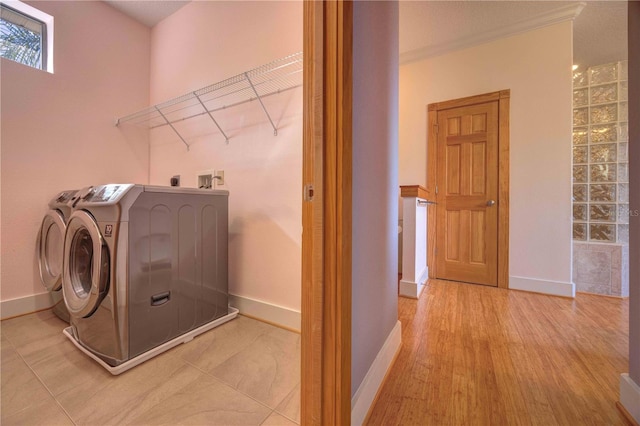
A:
47, 32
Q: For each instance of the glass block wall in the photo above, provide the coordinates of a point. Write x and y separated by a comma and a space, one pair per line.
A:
600, 159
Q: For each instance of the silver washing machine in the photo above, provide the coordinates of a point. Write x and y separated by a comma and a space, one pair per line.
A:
50, 247
142, 266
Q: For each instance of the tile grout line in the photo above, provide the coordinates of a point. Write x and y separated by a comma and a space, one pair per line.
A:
41, 382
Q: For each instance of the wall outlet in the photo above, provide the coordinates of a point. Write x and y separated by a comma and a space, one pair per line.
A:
219, 177
175, 180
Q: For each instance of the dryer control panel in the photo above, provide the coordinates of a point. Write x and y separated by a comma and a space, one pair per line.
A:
105, 193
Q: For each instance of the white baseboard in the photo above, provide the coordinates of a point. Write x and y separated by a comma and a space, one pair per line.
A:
412, 289
555, 288
368, 389
28, 304
279, 315
630, 396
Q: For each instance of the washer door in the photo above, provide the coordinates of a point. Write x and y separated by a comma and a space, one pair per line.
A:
85, 275
50, 249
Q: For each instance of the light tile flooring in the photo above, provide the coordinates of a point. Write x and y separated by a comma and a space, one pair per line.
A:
244, 372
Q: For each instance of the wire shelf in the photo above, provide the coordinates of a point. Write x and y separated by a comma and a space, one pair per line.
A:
266, 80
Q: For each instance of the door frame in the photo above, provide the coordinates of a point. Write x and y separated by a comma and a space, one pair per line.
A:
326, 211
503, 98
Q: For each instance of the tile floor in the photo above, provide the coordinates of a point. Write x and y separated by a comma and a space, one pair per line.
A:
244, 372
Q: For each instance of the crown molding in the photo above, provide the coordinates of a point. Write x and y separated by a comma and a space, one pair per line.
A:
564, 13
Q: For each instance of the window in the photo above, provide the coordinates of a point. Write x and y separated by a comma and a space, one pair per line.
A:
26, 35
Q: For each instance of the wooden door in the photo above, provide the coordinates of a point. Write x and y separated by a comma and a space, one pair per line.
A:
467, 194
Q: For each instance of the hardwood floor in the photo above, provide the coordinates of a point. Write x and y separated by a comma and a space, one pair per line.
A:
475, 355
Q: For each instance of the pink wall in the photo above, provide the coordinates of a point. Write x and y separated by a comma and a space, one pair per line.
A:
201, 44
634, 193
58, 129
375, 182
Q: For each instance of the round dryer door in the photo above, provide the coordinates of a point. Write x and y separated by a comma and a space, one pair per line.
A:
85, 275
50, 249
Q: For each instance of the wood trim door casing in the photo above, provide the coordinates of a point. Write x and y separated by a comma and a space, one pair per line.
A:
326, 240
503, 98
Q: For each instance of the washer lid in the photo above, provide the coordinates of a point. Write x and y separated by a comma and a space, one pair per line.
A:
85, 276
50, 249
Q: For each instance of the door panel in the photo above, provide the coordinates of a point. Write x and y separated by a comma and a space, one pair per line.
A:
467, 180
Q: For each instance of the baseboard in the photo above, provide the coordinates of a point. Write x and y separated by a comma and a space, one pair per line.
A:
278, 315
368, 389
555, 288
28, 304
412, 289
630, 396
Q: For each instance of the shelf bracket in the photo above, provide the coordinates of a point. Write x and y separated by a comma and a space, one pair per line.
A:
275, 130
173, 128
226, 138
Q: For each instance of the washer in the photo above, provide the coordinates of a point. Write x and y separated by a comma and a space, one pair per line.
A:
51, 246
144, 265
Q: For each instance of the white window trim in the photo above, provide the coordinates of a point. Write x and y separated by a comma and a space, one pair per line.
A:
41, 16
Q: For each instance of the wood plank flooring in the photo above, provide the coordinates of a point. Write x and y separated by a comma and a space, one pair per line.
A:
475, 355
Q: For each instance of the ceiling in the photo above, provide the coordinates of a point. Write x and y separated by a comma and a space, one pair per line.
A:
600, 30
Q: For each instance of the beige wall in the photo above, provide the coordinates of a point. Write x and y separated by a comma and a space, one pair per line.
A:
201, 44
536, 67
58, 129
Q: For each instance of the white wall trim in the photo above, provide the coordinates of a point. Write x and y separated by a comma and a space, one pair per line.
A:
564, 13
368, 389
555, 288
28, 304
269, 312
630, 396
414, 289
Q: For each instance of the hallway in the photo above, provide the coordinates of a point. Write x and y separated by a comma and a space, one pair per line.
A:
477, 355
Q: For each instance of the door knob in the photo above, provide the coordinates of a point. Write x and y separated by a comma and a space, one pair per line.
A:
491, 203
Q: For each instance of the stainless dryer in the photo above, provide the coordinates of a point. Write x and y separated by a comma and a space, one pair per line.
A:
50, 247
144, 265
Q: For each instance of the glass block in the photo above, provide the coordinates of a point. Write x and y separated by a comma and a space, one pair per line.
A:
623, 70
623, 192
580, 231
623, 111
580, 97
623, 133
579, 174
580, 155
623, 213
603, 173
623, 91
580, 135
603, 74
603, 113
623, 234
579, 79
604, 133
602, 212
605, 153
623, 172
602, 232
602, 94
602, 192
580, 116
579, 193
623, 152
579, 212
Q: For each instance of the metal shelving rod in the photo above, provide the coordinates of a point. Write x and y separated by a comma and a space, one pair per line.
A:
226, 138
275, 130
173, 128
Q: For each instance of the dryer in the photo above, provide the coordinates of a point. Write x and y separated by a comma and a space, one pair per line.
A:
50, 247
144, 265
